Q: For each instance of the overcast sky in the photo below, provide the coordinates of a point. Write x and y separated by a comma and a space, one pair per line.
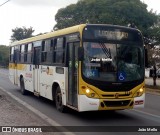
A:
38, 14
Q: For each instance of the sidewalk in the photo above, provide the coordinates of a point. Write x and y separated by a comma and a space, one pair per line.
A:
14, 114
149, 81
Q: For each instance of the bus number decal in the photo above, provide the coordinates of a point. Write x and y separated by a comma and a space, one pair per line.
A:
92, 73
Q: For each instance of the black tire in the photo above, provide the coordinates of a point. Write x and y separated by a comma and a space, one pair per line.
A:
58, 100
22, 87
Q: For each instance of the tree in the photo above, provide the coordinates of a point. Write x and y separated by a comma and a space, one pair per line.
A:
154, 32
4, 55
118, 12
21, 33
153, 43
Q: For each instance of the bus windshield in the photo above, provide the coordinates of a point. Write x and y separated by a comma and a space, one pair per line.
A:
113, 62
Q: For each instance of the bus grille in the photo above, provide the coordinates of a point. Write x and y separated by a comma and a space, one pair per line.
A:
117, 103
113, 95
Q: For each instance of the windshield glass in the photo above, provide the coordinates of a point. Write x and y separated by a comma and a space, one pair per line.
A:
112, 62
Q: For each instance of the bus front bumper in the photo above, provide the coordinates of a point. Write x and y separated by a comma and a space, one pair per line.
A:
93, 104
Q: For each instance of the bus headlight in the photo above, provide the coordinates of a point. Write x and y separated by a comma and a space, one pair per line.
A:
89, 93
139, 92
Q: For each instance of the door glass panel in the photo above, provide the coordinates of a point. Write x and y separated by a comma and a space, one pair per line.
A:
73, 73
70, 73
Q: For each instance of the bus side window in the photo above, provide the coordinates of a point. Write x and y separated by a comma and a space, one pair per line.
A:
15, 56
46, 51
11, 54
59, 49
49, 49
43, 52
25, 52
29, 54
22, 53
17, 53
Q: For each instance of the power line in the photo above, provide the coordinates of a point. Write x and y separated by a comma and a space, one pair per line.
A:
4, 3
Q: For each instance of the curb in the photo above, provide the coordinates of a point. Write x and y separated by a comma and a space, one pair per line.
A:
41, 115
153, 91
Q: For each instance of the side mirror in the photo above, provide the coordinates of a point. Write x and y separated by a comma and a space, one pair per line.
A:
80, 53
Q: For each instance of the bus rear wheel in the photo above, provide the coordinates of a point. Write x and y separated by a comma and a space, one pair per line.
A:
22, 88
58, 100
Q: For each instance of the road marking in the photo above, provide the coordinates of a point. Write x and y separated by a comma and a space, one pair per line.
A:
146, 113
43, 116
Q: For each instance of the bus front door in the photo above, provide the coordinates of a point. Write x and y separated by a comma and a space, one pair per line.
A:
73, 74
36, 70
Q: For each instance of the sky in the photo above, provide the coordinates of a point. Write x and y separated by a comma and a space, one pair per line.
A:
39, 14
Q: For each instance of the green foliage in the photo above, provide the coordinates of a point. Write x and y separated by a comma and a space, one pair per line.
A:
154, 33
21, 33
4, 55
153, 40
117, 12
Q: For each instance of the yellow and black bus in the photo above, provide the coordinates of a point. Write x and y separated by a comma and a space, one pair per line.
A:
85, 67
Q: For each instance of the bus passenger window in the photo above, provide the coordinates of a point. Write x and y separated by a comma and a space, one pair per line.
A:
47, 51
59, 51
43, 52
11, 54
25, 53
29, 54
22, 53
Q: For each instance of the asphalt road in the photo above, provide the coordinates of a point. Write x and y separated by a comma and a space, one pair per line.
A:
149, 116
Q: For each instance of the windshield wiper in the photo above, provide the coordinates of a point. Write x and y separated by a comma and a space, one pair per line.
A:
105, 50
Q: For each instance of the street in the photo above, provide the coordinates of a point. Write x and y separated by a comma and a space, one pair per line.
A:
149, 116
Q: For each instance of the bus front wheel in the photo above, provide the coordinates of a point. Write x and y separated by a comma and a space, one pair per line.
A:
23, 91
58, 100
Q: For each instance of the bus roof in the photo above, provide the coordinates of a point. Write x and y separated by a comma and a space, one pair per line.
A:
60, 32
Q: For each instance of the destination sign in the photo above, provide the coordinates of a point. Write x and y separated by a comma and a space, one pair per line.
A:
111, 33
116, 35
